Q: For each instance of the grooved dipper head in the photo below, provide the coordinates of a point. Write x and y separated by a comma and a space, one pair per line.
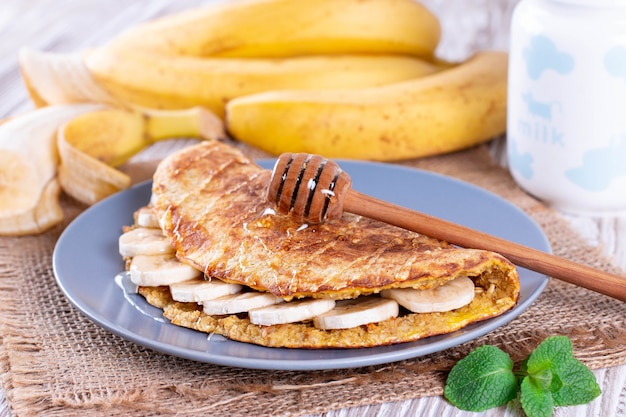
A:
308, 187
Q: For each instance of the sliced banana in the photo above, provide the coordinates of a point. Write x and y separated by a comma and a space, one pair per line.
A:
155, 270
291, 312
144, 241
240, 303
450, 296
145, 217
29, 166
357, 312
199, 290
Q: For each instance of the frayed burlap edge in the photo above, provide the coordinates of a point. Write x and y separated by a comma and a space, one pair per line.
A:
55, 362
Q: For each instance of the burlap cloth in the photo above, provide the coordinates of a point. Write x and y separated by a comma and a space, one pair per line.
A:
55, 362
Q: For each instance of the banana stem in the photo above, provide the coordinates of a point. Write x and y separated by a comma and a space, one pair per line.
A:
196, 122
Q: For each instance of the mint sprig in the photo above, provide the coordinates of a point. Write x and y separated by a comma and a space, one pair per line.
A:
550, 377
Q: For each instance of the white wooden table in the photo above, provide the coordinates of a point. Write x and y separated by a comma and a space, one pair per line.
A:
73, 25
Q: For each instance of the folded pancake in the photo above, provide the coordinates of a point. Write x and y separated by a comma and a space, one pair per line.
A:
210, 201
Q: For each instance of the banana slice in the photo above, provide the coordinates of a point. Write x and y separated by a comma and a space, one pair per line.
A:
145, 217
240, 303
199, 290
291, 312
144, 241
450, 296
155, 270
357, 312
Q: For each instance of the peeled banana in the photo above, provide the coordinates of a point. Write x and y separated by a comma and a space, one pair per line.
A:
449, 110
93, 144
176, 82
28, 167
46, 213
282, 28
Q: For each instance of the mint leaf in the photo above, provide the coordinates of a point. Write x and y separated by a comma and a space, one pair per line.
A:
542, 379
572, 382
535, 400
578, 384
553, 353
550, 376
483, 379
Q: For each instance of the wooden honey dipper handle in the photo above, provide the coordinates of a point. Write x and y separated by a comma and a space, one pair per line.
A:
313, 189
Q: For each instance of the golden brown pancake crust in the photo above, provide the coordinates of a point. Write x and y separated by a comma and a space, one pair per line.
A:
210, 201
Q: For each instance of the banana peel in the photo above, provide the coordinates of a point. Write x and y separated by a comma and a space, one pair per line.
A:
59, 78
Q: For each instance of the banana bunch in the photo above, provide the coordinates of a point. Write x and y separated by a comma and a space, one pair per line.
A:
208, 56
157, 81
342, 78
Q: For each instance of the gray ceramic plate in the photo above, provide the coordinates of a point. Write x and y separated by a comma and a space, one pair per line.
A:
86, 262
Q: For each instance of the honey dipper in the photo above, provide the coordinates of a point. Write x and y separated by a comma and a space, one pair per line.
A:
313, 189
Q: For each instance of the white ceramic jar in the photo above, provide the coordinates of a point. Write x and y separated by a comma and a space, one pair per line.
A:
566, 133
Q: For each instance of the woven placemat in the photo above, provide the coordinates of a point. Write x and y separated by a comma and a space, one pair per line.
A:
55, 362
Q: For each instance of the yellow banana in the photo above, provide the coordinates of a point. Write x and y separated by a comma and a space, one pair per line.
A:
153, 80
28, 166
114, 135
281, 28
450, 110
93, 144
